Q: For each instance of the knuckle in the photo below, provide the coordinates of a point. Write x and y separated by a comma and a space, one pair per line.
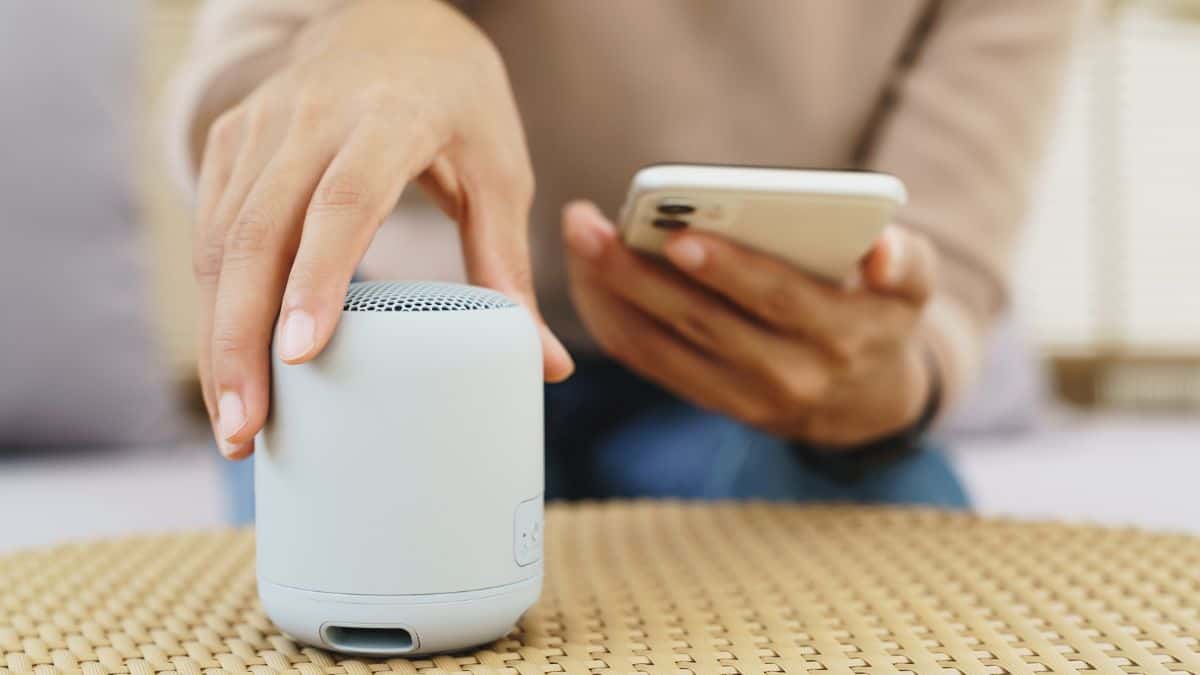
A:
206, 260
777, 302
311, 110
490, 57
382, 100
386, 108
224, 133
847, 345
208, 251
259, 119
802, 388
249, 235
696, 329
340, 191
227, 342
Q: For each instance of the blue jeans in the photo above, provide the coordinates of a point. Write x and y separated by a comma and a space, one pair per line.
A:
610, 433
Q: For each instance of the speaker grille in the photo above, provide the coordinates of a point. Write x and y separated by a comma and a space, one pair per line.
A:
421, 296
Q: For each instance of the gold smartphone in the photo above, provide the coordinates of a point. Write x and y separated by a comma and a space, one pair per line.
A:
823, 222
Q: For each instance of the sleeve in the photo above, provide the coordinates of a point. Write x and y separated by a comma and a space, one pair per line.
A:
964, 125
236, 45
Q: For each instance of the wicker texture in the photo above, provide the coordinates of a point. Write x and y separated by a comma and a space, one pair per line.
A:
667, 588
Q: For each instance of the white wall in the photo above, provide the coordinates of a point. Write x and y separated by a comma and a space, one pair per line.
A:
1112, 252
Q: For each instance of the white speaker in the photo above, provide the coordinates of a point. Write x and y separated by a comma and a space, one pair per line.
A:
398, 481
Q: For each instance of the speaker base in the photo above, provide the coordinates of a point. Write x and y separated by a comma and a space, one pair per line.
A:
398, 625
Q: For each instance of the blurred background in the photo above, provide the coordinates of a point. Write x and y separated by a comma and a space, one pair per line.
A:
1089, 407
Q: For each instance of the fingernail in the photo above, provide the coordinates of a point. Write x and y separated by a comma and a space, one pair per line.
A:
686, 253
228, 450
297, 339
232, 414
895, 259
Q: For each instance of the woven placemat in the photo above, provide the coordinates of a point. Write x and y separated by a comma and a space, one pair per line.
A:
667, 588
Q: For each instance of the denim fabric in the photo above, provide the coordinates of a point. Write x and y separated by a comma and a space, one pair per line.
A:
610, 433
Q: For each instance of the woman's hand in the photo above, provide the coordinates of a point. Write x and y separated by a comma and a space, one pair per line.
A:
296, 179
750, 336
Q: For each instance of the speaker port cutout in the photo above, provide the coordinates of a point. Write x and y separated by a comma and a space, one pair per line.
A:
370, 639
675, 207
669, 223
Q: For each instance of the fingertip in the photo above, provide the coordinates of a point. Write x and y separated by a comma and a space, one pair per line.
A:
558, 371
231, 450
893, 271
686, 252
581, 208
235, 451
881, 268
903, 264
572, 209
557, 364
586, 231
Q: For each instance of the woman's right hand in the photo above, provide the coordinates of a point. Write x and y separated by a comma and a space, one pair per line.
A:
296, 179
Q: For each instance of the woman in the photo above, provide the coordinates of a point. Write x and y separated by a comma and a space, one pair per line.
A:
729, 374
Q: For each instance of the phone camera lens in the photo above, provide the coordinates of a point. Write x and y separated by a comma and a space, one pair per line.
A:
669, 223
671, 207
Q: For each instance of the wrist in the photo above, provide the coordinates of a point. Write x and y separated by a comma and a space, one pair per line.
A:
853, 463
377, 28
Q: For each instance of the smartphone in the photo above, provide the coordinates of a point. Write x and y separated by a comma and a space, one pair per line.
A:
823, 222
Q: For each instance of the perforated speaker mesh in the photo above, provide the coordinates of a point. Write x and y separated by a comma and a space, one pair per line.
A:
421, 296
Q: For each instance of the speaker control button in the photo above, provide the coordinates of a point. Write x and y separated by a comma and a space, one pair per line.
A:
527, 532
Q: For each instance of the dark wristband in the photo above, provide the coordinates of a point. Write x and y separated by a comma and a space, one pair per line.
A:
848, 465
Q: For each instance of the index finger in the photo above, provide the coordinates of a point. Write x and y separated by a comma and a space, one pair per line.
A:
782, 295
495, 242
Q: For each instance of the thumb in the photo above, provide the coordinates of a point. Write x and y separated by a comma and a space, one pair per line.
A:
495, 241
903, 263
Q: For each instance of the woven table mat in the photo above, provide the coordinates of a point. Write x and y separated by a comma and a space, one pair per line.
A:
666, 587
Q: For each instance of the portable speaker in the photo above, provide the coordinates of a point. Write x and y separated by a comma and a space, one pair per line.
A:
398, 481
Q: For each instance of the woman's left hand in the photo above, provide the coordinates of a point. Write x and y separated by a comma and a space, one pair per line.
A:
750, 336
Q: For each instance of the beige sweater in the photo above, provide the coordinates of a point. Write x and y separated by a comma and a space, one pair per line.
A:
951, 96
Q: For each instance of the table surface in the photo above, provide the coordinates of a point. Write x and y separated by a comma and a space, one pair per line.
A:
666, 587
